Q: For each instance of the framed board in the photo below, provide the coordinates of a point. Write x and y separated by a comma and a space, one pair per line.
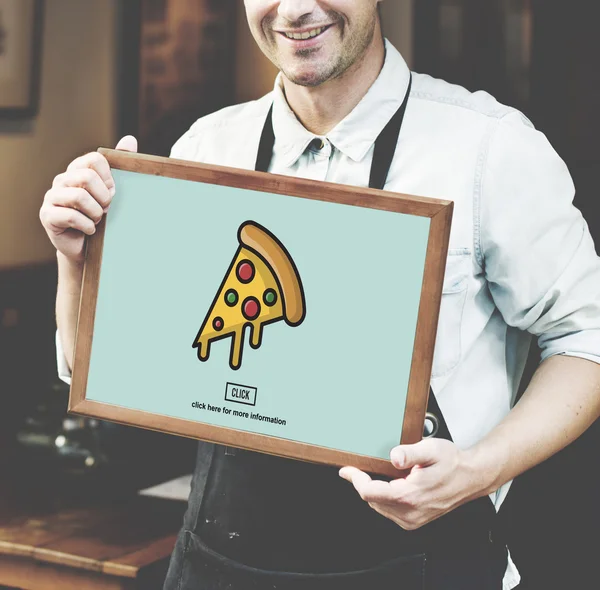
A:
286, 316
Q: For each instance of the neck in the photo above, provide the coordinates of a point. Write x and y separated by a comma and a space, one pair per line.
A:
322, 107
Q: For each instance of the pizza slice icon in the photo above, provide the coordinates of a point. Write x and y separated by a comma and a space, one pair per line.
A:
261, 286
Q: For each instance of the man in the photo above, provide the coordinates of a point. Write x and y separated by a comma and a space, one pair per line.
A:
521, 262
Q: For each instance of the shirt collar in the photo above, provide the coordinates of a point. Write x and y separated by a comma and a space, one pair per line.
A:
357, 132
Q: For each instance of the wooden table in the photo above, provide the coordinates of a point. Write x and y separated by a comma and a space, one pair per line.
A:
116, 545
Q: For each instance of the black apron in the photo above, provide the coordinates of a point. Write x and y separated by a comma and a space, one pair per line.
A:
256, 517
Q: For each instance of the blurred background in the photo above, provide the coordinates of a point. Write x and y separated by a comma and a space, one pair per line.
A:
78, 75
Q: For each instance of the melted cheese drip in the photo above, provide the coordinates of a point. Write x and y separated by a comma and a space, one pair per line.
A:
233, 320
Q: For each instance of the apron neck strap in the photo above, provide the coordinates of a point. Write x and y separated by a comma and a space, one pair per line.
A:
383, 155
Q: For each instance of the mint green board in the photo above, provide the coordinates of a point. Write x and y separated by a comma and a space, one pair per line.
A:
338, 380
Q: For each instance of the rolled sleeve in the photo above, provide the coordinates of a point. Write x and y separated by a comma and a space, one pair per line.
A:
539, 257
64, 373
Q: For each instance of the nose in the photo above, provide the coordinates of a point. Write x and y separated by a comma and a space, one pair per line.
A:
294, 10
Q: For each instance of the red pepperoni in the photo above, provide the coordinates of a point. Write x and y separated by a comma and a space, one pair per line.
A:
251, 308
245, 271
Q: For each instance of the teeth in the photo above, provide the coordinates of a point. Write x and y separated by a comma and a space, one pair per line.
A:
306, 35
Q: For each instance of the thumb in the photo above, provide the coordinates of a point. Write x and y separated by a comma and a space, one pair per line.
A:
128, 144
408, 456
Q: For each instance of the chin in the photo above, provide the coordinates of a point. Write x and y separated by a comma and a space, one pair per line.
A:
307, 75
308, 80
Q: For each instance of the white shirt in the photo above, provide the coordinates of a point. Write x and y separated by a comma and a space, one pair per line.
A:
521, 259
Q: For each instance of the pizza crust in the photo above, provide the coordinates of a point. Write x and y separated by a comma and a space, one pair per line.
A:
267, 246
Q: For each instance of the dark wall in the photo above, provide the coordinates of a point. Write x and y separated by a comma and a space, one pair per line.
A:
565, 95
27, 363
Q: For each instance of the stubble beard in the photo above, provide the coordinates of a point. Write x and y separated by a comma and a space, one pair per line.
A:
347, 57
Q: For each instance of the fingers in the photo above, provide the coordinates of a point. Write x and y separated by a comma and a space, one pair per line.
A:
424, 453
355, 476
390, 499
78, 199
128, 144
370, 490
408, 519
64, 218
96, 162
88, 179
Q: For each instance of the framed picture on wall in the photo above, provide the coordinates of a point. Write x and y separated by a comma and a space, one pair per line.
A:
20, 57
276, 314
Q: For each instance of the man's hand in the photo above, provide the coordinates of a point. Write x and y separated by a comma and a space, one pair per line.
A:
560, 403
440, 478
72, 208
77, 201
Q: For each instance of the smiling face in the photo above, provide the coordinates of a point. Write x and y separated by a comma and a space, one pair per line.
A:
313, 41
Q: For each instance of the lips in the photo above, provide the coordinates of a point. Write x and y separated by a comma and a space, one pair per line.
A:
304, 36
299, 36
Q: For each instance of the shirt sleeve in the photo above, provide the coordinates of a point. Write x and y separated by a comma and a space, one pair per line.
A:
535, 246
64, 373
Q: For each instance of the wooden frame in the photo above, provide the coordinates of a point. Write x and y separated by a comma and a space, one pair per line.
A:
439, 213
20, 58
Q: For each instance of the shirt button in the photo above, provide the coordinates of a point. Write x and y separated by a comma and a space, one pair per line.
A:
317, 143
